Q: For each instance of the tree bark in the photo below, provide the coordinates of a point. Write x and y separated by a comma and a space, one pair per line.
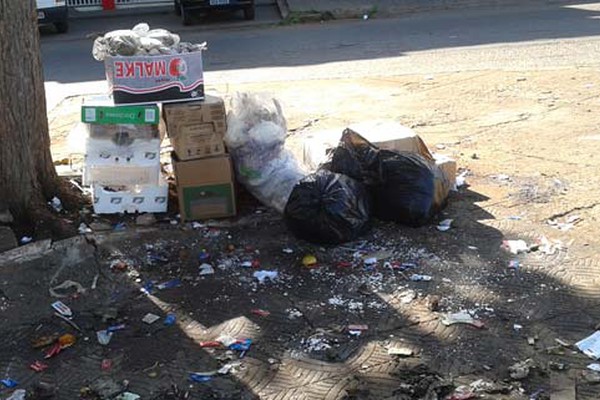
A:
27, 175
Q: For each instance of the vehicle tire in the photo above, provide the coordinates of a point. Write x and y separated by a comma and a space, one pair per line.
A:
62, 26
185, 15
249, 13
177, 7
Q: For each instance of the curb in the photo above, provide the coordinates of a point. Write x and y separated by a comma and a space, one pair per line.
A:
338, 11
38, 249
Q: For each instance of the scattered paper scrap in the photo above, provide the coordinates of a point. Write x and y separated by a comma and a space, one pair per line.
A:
150, 318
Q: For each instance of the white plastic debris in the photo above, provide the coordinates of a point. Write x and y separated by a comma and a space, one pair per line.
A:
569, 223
206, 269
287, 250
128, 396
590, 346
400, 351
461, 317
18, 394
407, 296
517, 327
594, 367
56, 204
420, 278
515, 246
26, 239
521, 369
461, 179
197, 225
84, 229
263, 275
445, 225
370, 261
104, 337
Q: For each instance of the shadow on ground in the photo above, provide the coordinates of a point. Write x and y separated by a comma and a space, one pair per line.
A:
302, 349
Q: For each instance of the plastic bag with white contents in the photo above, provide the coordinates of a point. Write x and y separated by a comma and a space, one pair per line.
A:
256, 131
140, 40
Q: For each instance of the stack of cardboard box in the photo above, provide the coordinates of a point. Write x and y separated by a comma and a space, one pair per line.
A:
122, 157
123, 139
203, 169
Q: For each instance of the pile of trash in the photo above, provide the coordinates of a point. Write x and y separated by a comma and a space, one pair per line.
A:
141, 41
334, 204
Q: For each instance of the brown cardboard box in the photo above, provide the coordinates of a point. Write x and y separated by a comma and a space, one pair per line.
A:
196, 129
205, 188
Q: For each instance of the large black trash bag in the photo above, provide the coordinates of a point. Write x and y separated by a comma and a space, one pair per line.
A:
407, 188
328, 208
403, 184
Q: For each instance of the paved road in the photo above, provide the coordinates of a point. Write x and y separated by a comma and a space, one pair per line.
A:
511, 38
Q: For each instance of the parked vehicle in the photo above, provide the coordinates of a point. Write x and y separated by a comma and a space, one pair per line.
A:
185, 8
53, 12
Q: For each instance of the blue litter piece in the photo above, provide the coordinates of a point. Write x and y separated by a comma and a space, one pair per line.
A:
243, 345
169, 284
170, 319
148, 287
200, 378
9, 383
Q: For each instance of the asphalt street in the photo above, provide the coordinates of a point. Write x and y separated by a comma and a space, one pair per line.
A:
518, 38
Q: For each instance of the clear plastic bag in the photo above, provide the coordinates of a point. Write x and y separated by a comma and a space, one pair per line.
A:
141, 40
256, 131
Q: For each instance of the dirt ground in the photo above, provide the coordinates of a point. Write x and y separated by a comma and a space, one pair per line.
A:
530, 142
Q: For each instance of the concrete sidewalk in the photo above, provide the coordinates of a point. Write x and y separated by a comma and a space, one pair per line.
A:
360, 8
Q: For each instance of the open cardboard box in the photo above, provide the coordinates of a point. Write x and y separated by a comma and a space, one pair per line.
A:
205, 187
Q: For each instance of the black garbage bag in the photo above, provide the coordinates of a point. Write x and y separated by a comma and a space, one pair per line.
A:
403, 184
406, 191
328, 208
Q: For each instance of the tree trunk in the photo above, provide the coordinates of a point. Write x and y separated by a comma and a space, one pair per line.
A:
27, 175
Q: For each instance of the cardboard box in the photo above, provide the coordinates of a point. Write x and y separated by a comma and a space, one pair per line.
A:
445, 179
102, 110
196, 129
448, 167
141, 198
205, 188
152, 79
386, 135
120, 175
390, 135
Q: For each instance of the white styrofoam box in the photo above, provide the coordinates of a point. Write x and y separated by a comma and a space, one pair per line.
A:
139, 198
388, 135
120, 175
138, 152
